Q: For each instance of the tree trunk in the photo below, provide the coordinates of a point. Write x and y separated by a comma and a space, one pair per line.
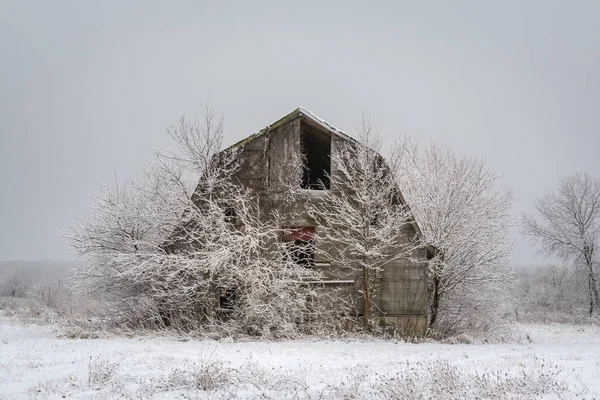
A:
367, 299
592, 285
435, 301
593, 290
591, 296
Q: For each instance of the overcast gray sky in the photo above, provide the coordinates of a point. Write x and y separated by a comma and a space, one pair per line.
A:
87, 88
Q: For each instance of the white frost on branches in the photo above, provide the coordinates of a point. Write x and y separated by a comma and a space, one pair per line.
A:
464, 215
568, 226
364, 225
210, 261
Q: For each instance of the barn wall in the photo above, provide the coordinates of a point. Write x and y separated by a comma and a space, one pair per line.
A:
267, 166
254, 164
403, 288
283, 150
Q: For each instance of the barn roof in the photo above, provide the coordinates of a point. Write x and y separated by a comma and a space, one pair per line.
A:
309, 116
299, 112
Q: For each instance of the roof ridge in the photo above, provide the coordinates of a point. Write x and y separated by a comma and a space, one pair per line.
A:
300, 111
320, 121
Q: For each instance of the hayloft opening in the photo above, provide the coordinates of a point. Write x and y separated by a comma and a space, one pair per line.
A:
227, 299
316, 148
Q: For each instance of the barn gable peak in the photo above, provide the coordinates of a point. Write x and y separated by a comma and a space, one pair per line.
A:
300, 112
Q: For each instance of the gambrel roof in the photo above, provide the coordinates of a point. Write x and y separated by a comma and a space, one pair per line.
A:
315, 120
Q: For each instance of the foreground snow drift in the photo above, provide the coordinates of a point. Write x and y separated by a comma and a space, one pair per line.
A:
561, 362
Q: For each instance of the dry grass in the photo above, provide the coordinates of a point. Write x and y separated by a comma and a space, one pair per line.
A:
101, 371
441, 380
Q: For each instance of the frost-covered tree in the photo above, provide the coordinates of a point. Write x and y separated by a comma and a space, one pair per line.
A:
15, 285
364, 223
200, 256
550, 293
568, 226
464, 216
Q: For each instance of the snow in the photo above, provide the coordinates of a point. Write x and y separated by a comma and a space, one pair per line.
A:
324, 124
35, 362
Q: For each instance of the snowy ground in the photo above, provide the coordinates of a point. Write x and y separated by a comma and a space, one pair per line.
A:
560, 362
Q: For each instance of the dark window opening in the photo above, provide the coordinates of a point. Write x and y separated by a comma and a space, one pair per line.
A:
230, 215
316, 148
301, 246
227, 299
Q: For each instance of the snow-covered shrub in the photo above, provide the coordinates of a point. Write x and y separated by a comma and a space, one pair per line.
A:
101, 371
551, 294
49, 301
206, 374
205, 377
274, 381
28, 310
56, 294
8, 305
467, 312
442, 380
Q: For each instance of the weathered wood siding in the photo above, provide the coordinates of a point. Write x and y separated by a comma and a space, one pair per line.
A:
267, 167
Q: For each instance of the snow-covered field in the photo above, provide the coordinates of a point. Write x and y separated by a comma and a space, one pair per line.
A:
562, 361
